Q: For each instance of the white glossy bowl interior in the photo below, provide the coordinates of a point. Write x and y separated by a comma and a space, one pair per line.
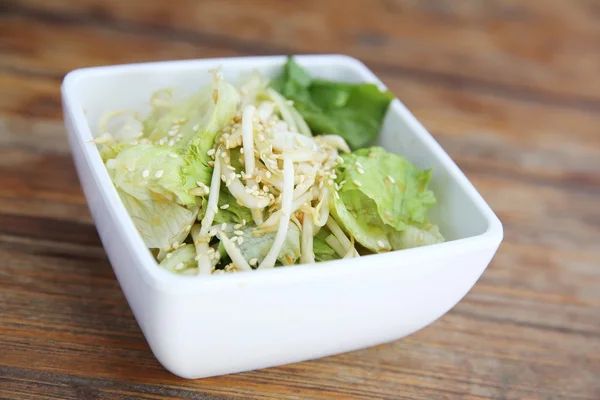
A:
199, 327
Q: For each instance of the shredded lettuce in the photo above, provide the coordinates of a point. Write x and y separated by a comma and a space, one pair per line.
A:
203, 115
323, 252
160, 222
416, 236
235, 213
258, 246
181, 259
353, 111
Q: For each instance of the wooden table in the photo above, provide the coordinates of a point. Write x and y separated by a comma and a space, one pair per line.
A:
511, 89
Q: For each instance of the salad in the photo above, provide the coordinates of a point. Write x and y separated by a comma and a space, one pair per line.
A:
265, 174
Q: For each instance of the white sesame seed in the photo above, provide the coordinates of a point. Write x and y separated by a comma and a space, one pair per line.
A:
169, 255
243, 222
215, 209
380, 244
360, 170
171, 143
173, 155
237, 226
211, 152
357, 183
253, 261
358, 164
330, 182
223, 155
158, 173
175, 245
234, 239
240, 233
223, 226
240, 240
224, 206
196, 127
242, 150
261, 137
391, 179
179, 266
145, 173
268, 174
339, 160
188, 227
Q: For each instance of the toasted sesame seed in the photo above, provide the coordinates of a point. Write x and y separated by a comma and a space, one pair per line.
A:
391, 179
145, 173
224, 206
211, 163
357, 183
360, 170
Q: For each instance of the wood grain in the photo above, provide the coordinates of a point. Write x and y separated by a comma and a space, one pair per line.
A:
509, 88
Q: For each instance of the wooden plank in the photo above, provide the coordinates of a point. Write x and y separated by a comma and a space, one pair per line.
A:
527, 46
508, 88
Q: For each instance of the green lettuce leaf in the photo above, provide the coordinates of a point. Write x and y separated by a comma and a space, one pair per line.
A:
235, 213
202, 115
258, 246
416, 236
182, 259
145, 170
382, 193
159, 222
323, 252
353, 111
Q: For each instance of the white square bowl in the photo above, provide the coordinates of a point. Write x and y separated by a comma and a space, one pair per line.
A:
214, 325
